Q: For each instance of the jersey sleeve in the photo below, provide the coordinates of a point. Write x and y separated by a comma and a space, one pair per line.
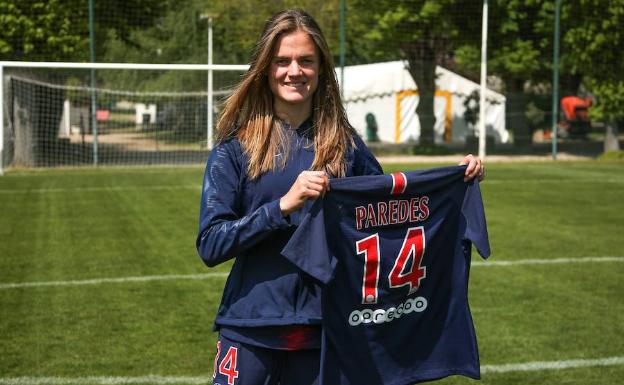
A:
474, 213
308, 248
364, 162
223, 230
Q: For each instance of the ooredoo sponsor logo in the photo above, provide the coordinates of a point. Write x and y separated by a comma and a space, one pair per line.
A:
379, 316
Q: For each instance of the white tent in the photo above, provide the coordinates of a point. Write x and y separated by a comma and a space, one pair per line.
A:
388, 91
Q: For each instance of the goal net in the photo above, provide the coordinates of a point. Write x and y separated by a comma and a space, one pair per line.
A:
66, 114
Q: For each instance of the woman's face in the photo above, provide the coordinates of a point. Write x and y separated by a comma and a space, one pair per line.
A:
294, 70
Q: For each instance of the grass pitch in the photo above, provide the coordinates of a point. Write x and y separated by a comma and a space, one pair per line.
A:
74, 245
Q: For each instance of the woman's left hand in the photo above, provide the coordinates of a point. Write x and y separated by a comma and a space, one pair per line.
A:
475, 168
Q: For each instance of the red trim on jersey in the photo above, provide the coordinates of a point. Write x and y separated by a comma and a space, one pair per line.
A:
297, 337
399, 183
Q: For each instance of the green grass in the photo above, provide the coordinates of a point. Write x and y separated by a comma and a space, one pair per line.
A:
612, 155
59, 225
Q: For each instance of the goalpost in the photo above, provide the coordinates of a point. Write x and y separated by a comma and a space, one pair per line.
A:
144, 113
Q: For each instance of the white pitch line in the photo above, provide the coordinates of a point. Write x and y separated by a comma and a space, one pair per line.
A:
169, 380
557, 181
551, 365
552, 261
151, 379
196, 186
98, 281
171, 277
97, 188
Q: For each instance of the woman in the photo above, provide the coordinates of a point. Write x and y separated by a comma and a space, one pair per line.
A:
282, 134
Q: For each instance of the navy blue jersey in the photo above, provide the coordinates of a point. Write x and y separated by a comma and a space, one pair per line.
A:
394, 254
240, 219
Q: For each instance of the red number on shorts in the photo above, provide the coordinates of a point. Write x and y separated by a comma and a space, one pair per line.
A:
227, 367
369, 246
214, 370
413, 245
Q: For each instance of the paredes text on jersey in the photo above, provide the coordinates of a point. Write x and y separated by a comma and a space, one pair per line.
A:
392, 212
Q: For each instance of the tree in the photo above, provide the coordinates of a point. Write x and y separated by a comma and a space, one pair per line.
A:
519, 52
239, 24
123, 17
58, 30
594, 51
54, 30
425, 33
43, 30
180, 36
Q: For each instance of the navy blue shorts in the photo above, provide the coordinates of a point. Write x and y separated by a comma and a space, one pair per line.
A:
243, 364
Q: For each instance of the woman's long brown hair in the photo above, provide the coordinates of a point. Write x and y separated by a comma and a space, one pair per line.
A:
248, 113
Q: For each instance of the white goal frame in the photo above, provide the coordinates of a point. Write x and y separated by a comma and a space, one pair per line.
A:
128, 66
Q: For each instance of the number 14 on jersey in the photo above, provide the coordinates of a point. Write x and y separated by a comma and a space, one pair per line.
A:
406, 271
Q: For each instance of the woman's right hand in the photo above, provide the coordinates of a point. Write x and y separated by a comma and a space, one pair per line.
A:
309, 185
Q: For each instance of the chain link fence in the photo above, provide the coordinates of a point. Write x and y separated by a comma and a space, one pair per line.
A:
410, 75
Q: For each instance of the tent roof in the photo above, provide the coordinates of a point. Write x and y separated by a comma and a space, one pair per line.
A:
387, 78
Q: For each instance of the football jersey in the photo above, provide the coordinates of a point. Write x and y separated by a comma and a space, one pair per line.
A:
240, 219
393, 252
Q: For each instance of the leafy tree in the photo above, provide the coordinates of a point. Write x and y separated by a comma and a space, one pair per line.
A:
123, 17
45, 30
425, 33
593, 54
594, 51
238, 25
180, 36
58, 30
519, 52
